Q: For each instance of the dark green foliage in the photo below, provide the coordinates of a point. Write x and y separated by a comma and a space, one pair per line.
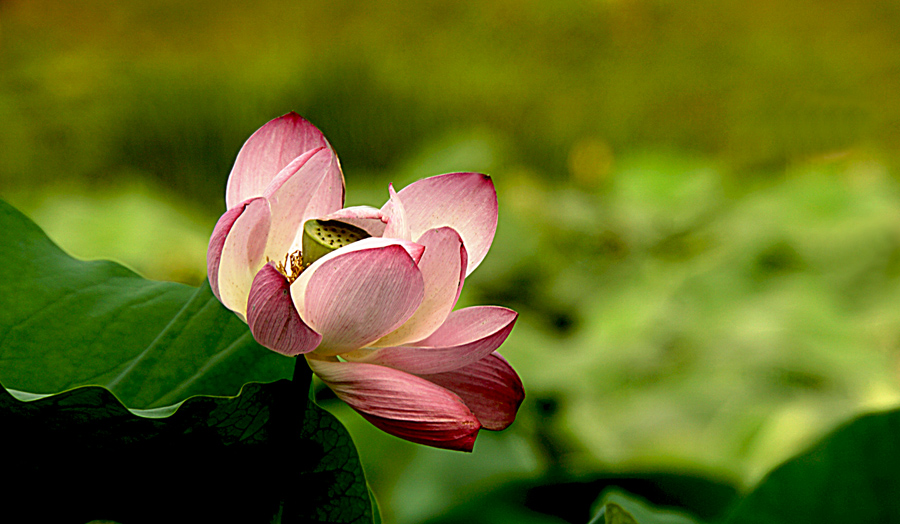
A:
615, 507
81, 455
851, 476
558, 499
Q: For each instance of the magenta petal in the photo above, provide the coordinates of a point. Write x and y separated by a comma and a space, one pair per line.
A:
467, 202
355, 296
490, 388
401, 404
236, 252
272, 318
267, 152
467, 336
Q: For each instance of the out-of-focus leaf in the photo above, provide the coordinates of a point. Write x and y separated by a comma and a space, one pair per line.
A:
615, 507
266, 455
573, 498
850, 476
615, 514
66, 323
376, 511
555, 499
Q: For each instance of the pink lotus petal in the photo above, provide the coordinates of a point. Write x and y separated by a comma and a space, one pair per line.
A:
367, 218
272, 318
267, 152
245, 229
308, 187
467, 336
443, 267
401, 404
216, 242
354, 296
397, 225
490, 388
467, 202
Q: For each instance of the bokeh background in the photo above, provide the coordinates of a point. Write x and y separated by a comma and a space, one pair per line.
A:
700, 205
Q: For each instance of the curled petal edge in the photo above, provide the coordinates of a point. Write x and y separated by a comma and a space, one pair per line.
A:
397, 224
216, 243
236, 251
367, 218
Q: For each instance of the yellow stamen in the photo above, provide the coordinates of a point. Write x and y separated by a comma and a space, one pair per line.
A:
291, 267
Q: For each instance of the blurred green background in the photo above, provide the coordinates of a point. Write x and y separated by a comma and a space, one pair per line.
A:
700, 207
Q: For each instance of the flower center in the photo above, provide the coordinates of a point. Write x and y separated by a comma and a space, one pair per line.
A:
291, 267
320, 237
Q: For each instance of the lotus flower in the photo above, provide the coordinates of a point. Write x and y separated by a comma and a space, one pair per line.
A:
367, 294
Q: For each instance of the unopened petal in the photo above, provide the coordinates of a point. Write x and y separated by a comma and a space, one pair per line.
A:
355, 296
443, 267
490, 388
272, 318
467, 336
401, 404
308, 187
267, 152
467, 202
245, 230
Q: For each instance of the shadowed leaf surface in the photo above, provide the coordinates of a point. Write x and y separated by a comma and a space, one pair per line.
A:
266, 455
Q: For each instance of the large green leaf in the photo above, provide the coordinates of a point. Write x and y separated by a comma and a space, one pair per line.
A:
267, 455
853, 475
66, 323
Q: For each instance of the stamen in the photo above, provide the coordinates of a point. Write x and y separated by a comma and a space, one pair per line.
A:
291, 267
